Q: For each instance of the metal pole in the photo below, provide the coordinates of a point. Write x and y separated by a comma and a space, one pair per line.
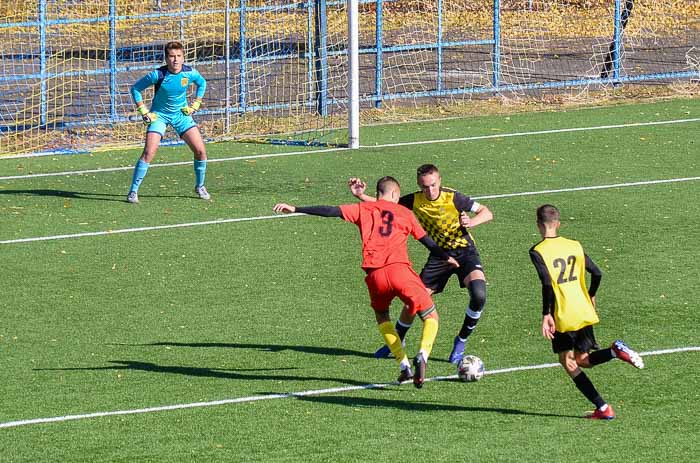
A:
227, 51
378, 64
43, 105
617, 40
439, 46
112, 60
242, 55
321, 53
182, 20
354, 69
309, 55
496, 44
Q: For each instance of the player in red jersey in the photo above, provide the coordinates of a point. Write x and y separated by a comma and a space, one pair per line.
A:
384, 228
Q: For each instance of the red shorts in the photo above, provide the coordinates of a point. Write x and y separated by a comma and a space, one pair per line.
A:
397, 280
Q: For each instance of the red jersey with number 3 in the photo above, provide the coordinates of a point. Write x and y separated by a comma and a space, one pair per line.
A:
384, 227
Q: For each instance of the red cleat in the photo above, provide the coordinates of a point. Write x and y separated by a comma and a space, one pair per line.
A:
608, 414
419, 365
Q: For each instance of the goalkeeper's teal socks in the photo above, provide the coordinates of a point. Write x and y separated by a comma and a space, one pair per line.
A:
140, 170
200, 170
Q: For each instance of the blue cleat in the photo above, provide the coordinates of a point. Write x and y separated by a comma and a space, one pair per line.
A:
457, 350
383, 352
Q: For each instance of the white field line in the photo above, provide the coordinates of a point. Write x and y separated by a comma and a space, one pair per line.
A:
537, 132
267, 217
317, 392
169, 164
142, 229
387, 145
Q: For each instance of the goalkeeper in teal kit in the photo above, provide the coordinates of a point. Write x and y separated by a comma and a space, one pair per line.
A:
170, 107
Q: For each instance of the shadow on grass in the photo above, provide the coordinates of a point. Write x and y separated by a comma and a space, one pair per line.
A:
340, 352
66, 194
128, 365
363, 402
83, 195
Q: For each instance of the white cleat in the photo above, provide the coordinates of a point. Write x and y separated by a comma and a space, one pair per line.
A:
624, 353
202, 192
133, 197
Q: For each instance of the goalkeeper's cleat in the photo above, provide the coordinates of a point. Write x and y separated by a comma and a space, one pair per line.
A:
626, 354
457, 350
419, 365
406, 374
202, 192
598, 414
132, 197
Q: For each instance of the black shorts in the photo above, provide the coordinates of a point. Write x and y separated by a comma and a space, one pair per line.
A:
436, 272
582, 340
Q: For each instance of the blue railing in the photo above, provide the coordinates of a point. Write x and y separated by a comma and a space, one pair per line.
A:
316, 53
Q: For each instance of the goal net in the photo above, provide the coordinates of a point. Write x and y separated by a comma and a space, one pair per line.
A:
277, 71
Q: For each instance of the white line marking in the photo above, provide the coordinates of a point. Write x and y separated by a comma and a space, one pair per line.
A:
249, 219
141, 229
594, 187
387, 145
257, 398
537, 132
169, 164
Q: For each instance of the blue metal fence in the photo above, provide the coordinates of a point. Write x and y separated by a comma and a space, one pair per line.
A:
237, 62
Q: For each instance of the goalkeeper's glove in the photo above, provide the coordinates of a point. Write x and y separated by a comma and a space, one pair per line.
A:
146, 115
193, 108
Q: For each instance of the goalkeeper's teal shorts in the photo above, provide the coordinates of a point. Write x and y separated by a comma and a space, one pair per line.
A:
179, 122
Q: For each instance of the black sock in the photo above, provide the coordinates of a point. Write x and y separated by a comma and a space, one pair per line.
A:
588, 389
402, 329
477, 301
600, 356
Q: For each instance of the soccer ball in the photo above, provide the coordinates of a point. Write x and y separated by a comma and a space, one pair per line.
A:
470, 368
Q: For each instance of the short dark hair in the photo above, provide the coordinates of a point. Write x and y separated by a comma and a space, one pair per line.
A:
174, 45
384, 183
547, 214
426, 169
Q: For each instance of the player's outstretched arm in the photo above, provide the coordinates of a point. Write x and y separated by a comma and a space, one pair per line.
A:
357, 188
323, 211
284, 208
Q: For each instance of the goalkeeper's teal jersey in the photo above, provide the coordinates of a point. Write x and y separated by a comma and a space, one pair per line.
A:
170, 92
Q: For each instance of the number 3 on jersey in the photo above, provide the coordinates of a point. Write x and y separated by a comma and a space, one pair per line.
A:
387, 223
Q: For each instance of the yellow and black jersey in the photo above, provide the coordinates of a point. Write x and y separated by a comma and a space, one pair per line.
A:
440, 218
561, 265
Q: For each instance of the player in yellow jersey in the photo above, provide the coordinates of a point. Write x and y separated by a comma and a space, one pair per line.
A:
447, 216
568, 308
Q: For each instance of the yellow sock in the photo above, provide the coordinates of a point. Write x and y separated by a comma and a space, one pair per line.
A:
430, 329
392, 339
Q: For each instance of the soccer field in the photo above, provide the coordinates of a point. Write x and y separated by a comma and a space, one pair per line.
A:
188, 330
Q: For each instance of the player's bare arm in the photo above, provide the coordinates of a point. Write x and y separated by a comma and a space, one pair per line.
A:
357, 188
482, 215
548, 326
